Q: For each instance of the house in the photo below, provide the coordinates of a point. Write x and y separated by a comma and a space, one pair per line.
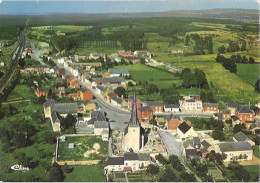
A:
124, 53
115, 72
89, 106
235, 150
130, 162
97, 115
191, 147
105, 74
29, 51
241, 137
116, 101
47, 107
101, 89
157, 107
145, 113
140, 53
222, 116
74, 96
210, 107
235, 120
130, 102
194, 104
184, 131
59, 110
101, 128
206, 148
172, 122
110, 96
85, 94
232, 107
172, 108
244, 113
60, 91
114, 82
74, 84
40, 92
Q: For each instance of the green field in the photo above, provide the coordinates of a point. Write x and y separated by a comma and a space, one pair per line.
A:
82, 145
254, 172
248, 72
216, 174
86, 173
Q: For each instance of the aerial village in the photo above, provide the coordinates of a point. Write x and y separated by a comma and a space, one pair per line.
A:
134, 143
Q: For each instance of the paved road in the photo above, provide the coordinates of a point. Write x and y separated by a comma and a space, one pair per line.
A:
198, 115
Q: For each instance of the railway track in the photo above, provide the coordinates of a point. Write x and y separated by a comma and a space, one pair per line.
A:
14, 61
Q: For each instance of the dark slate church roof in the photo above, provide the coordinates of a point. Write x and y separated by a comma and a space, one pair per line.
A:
114, 161
65, 108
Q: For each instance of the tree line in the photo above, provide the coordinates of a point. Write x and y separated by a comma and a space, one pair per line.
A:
227, 63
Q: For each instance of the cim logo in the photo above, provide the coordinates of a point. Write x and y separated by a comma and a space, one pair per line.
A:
20, 168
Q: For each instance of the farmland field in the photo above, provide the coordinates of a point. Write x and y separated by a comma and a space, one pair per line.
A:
82, 146
248, 72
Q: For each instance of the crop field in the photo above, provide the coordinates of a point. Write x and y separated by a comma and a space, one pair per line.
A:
84, 149
248, 72
86, 173
62, 28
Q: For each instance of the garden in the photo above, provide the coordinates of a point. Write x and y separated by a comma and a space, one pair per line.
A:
85, 148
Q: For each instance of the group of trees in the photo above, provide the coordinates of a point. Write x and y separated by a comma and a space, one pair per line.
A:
201, 44
216, 157
233, 46
167, 173
228, 63
170, 95
196, 79
68, 122
238, 173
201, 170
239, 59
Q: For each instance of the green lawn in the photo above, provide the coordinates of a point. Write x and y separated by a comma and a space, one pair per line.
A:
86, 173
256, 151
22, 91
82, 145
216, 174
248, 72
254, 172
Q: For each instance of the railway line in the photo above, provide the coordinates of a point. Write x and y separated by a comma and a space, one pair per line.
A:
16, 55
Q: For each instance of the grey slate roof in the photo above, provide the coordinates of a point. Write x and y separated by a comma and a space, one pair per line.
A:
102, 88
234, 146
144, 157
134, 119
114, 161
235, 118
172, 105
172, 116
65, 108
152, 103
233, 105
122, 71
210, 105
196, 141
205, 144
114, 80
191, 152
245, 109
117, 100
100, 124
226, 111
49, 103
98, 115
55, 116
218, 115
240, 136
191, 100
145, 108
184, 127
131, 156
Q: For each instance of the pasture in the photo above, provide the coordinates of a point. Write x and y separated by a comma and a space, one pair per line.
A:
253, 171
248, 72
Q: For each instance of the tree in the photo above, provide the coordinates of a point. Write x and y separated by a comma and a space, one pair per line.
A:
220, 58
50, 93
194, 162
153, 122
222, 49
251, 60
243, 46
230, 65
161, 159
168, 175
244, 60
55, 173
188, 177
152, 169
68, 122
22, 159
22, 62
142, 60
238, 128
120, 91
257, 86
175, 162
152, 88
218, 135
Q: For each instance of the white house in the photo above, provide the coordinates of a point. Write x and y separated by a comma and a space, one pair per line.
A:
185, 131
172, 108
61, 61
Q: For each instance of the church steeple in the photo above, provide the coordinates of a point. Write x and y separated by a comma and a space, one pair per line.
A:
134, 119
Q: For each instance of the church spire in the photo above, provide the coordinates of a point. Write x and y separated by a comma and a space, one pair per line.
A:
134, 119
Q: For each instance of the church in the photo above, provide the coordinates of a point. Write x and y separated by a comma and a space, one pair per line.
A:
134, 133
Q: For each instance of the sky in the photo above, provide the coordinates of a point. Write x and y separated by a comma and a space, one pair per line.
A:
21, 7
